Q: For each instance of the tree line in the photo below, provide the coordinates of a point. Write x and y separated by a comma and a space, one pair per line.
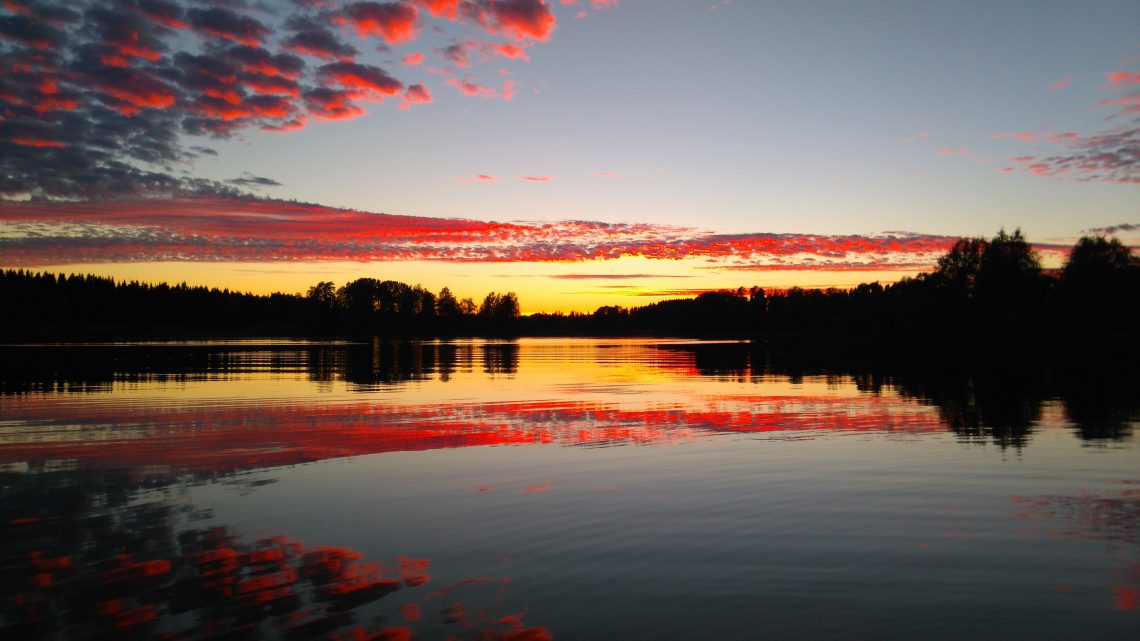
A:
979, 285
44, 305
994, 284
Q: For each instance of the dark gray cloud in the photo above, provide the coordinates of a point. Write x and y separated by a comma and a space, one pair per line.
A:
249, 180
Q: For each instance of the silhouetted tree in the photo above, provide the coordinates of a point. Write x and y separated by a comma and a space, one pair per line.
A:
958, 268
1101, 274
1010, 273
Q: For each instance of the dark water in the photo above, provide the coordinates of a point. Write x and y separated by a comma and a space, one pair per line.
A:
568, 489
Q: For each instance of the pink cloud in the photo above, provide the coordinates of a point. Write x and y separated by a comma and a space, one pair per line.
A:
1063, 83
471, 89
478, 178
509, 50
1123, 78
607, 174
537, 179
416, 94
414, 59
1110, 157
1039, 136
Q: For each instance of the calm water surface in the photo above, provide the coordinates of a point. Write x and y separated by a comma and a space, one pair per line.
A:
566, 489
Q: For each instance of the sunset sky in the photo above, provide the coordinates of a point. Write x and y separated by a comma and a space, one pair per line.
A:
577, 152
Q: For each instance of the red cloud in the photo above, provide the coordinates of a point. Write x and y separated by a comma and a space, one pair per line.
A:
368, 79
37, 142
1063, 83
537, 179
395, 22
448, 9
331, 104
261, 230
130, 90
510, 50
478, 178
517, 19
472, 89
414, 59
416, 94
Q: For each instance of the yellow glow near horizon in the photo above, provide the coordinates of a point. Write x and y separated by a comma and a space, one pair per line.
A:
541, 287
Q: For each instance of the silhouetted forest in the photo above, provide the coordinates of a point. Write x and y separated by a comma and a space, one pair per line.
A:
979, 285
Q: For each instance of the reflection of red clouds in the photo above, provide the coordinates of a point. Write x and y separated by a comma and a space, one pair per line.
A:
248, 436
1126, 599
545, 487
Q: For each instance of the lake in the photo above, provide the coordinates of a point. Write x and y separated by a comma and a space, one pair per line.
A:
567, 489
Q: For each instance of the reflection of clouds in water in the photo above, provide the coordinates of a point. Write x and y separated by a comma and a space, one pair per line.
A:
1109, 516
252, 434
111, 567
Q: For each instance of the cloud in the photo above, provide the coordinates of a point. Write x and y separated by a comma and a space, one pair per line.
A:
615, 276
537, 179
249, 180
1040, 136
230, 228
96, 98
470, 89
416, 94
320, 43
395, 22
220, 22
1110, 157
447, 9
1112, 229
509, 50
607, 174
478, 178
369, 81
1123, 78
1063, 83
516, 19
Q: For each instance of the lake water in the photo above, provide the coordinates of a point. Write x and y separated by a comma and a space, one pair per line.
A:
567, 489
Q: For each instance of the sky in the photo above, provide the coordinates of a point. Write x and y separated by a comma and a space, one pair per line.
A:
580, 153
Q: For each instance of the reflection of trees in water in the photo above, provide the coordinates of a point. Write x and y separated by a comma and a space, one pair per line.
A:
983, 392
82, 558
501, 359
